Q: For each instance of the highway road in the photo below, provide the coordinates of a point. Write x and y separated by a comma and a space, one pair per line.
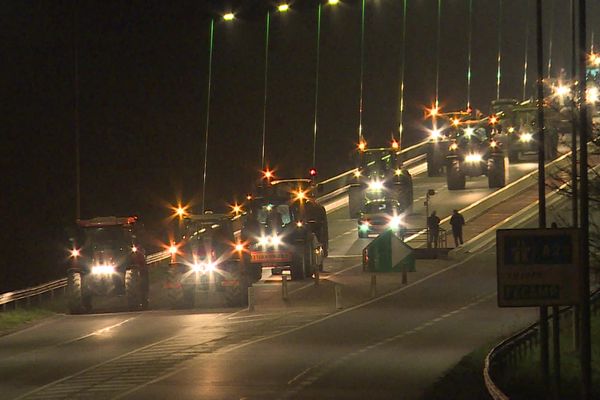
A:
391, 347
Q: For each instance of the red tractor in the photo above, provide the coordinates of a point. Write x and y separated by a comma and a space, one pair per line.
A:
108, 259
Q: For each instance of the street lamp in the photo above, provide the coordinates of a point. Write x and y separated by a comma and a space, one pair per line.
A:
229, 16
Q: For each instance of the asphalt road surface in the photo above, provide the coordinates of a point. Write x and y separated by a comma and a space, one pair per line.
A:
389, 347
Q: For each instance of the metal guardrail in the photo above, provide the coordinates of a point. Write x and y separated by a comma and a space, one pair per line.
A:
332, 188
30, 293
419, 235
527, 336
515, 343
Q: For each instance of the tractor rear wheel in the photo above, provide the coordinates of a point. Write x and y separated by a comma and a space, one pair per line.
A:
454, 177
133, 289
75, 293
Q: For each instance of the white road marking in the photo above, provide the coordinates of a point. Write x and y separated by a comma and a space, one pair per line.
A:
341, 360
310, 323
324, 278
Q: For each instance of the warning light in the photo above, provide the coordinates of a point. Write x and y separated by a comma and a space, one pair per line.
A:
300, 195
493, 120
268, 174
433, 111
236, 209
312, 172
395, 144
362, 146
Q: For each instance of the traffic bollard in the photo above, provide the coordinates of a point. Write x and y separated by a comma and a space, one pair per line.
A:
251, 299
338, 297
373, 286
404, 277
317, 277
284, 287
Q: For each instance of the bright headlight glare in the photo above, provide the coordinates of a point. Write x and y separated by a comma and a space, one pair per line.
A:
263, 240
395, 221
197, 267
276, 240
375, 185
210, 266
273, 240
526, 137
436, 134
207, 266
453, 147
103, 269
473, 158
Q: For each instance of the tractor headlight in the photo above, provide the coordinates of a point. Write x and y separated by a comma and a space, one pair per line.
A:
395, 222
375, 185
263, 241
266, 241
473, 158
526, 137
103, 269
435, 134
275, 240
205, 266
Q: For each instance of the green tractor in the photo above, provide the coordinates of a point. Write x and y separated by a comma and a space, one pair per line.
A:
476, 150
207, 260
379, 175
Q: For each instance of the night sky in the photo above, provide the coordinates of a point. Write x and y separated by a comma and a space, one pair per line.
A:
143, 70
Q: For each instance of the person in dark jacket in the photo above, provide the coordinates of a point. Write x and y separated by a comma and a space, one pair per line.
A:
457, 221
433, 224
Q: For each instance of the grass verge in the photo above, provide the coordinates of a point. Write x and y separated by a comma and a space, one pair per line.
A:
523, 380
13, 320
464, 381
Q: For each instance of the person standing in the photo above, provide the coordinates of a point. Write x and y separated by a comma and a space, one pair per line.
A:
433, 224
457, 221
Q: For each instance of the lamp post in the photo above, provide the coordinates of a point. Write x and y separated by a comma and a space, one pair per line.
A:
318, 66
362, 67
281, 8
227, 17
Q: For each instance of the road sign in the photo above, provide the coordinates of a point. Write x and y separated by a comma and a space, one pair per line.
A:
538, 267
388, 253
